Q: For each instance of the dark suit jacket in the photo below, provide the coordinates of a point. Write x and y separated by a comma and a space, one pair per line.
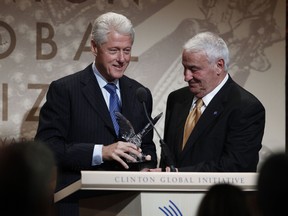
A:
75, 117
227, 137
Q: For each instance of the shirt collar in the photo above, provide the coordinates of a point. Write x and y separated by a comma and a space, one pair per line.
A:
207, 98
100, 79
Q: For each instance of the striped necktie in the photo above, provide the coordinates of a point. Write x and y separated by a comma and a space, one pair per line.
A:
114, 104
191, 121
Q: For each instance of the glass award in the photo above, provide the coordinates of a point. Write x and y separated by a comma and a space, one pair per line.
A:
127, 131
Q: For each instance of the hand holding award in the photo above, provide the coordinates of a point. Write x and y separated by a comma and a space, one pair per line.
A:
127, 132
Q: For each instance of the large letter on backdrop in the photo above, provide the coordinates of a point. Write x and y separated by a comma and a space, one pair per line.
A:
47, 40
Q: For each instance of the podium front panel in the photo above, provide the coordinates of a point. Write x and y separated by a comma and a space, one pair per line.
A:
150, 193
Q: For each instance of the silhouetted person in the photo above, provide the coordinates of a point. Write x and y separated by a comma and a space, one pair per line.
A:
224, 200
273, 185
27, 179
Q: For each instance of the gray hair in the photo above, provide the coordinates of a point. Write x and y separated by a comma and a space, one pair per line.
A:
108, 22
210, 43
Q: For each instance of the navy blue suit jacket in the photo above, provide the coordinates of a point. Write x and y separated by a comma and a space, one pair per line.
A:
75, 117
227, 137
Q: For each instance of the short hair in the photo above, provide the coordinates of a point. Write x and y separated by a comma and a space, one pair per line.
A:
272, 185
224, 199
26, 174
108, 22
210, 43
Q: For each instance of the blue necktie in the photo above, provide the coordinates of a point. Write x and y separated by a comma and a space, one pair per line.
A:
114, 104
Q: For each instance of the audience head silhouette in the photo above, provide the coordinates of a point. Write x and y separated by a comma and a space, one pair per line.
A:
273, 186
27, 179
224, 200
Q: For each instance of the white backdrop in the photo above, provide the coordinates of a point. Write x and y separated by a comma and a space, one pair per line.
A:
43, 40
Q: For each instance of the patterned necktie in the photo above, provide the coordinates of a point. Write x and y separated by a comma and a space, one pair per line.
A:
114, 104
191, 120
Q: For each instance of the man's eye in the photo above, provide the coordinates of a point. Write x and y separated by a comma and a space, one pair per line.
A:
113, 51
127, 52
193, 69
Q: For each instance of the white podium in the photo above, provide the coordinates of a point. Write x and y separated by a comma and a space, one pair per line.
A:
150, 193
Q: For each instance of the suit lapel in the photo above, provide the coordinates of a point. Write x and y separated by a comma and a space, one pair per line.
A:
183, 109
92, 92
127, 96
211, 113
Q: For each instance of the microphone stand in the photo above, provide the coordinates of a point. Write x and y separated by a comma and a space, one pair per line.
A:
163, 145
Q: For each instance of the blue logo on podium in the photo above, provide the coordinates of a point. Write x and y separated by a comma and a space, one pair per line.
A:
171, 210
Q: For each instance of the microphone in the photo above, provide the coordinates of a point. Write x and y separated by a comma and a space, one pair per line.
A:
142, 97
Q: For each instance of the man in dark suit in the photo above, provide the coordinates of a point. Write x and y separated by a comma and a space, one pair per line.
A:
228, 135
75, 121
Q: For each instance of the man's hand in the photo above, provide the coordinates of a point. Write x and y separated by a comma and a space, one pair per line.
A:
167, 169
121, 150
155, 170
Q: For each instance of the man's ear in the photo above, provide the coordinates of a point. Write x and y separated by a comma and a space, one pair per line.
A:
220, 66
93, 48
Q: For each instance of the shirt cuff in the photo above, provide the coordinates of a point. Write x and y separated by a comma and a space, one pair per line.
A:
97, 155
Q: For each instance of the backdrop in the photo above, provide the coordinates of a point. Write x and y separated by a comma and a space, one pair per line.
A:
43, 40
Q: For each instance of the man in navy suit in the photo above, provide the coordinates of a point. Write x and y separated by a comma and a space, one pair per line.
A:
228, 135
75, 121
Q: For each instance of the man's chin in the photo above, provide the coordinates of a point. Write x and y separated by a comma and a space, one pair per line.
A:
117, 74
196, 92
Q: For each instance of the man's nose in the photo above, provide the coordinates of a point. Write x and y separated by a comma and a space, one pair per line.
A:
120, 56
188, 75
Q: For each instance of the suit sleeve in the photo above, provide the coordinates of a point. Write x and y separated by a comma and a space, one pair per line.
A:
238, 148
53, 129
164, 160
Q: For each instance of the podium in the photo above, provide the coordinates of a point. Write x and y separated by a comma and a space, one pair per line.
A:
149, 193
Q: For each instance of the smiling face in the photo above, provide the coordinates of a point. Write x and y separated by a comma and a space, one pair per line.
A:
113, 57
201, 75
